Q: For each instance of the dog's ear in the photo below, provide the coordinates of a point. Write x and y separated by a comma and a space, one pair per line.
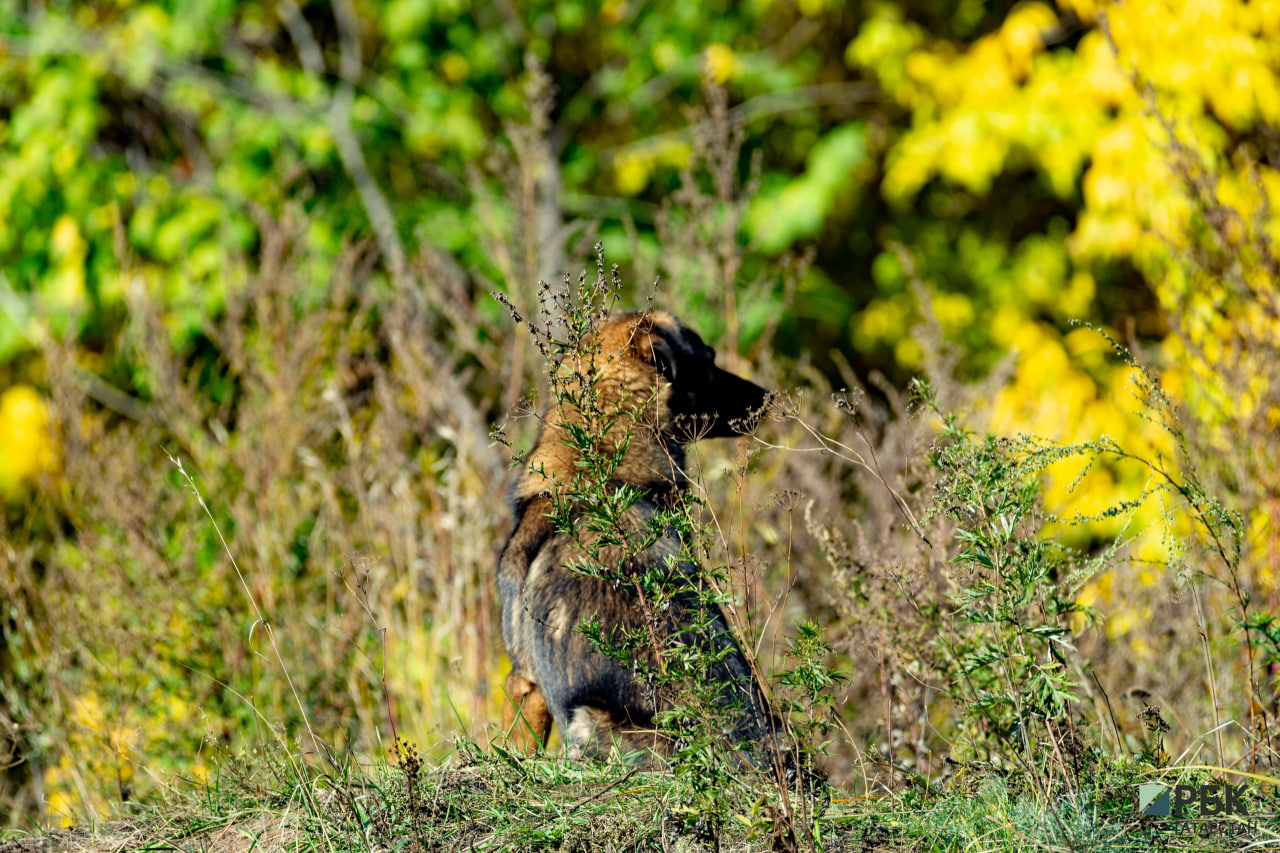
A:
650, 344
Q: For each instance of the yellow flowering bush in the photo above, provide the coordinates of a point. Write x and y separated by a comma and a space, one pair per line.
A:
1145, 112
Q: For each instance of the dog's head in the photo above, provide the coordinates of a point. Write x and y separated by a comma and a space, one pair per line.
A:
657, 361
657, 384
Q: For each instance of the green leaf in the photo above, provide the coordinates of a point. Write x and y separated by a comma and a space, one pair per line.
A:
798, 210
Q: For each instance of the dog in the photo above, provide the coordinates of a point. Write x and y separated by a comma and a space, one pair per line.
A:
655, 386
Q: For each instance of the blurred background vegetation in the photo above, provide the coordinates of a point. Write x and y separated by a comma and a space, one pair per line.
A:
261, 236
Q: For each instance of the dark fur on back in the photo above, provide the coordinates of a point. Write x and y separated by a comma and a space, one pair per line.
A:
661, 383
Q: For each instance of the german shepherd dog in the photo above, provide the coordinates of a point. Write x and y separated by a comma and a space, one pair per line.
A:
659, 387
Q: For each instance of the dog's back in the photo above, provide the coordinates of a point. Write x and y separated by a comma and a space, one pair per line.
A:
652, 387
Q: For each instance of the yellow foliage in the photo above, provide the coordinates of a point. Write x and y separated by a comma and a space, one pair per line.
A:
613, 12
881, 321
110, 743
1021, 36
1053, 396
633, 167
886, 43
61, 808
65, 237
719, 62
1005, 325
1076, 300
1005, 93
1143, 118
630, 173
1061, 108
454, 67
26, 446
954, 311
908, 353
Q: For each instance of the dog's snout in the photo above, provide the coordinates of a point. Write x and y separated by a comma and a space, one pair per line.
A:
725, 406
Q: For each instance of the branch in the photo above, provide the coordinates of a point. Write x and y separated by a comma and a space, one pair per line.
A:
381, 217
761, 106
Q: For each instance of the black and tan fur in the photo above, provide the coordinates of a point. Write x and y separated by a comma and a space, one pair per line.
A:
662, 381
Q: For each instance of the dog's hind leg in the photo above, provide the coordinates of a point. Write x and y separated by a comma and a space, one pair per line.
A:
526, 719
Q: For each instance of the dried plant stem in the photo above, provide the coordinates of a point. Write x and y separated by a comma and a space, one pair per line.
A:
261, 617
